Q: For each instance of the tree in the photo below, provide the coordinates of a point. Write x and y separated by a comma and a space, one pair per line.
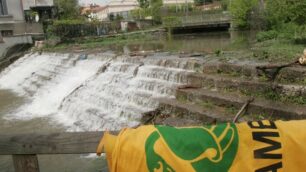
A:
202, 2
279, 12
143, 3
150, 8
241, 10
67, 9
155, 7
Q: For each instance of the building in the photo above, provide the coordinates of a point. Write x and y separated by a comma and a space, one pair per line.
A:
13, 28
11, 17
117, 8
123, 8
94, 12
177, 2
43, 9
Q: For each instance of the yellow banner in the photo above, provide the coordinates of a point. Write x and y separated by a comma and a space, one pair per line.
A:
263, 146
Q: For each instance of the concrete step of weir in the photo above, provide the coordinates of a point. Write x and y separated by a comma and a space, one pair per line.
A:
294, 74
243, 85
273, 109
187, 111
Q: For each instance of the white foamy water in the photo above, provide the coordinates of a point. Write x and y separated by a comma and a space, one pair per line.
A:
100, 92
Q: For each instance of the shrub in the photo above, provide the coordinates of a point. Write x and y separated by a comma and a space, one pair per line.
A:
171, 21
68, 29
267, 35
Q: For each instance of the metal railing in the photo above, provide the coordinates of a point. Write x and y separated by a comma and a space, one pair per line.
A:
204, 19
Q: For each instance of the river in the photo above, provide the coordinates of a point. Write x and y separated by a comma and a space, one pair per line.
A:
67, 92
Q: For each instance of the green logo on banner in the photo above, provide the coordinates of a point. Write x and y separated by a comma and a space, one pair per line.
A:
204, 149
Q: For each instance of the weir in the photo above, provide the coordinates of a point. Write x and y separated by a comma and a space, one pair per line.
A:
103, 91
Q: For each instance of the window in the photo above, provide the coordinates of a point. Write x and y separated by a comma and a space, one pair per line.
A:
6, 33
1, 39
3, 9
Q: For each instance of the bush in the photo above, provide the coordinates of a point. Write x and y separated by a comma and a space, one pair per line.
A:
68, 29
171, 21
267, 35
241, 11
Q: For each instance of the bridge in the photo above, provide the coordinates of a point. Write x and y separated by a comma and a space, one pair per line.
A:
203, 21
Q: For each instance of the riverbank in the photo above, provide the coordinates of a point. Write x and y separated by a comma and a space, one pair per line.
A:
102, 43
221, 45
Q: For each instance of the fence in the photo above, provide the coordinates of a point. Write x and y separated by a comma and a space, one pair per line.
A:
24, 148
205, 19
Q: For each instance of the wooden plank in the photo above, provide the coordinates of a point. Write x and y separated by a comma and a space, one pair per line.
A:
25, 163
56, 143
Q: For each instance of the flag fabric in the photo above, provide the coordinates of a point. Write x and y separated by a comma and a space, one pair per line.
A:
262, 146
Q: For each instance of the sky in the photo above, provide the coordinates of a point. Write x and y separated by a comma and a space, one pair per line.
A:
99, 2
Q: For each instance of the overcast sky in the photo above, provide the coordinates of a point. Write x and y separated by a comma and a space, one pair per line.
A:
86, 2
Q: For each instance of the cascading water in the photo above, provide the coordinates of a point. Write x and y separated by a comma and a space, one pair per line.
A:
103, 91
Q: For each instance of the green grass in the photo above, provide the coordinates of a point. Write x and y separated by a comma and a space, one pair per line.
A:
272, 95
207, 104
98, 42
182, 98
274, 51
277, 50
231, 110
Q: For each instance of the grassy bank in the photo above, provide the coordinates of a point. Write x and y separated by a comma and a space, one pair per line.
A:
272, 51
91, 43
277, 50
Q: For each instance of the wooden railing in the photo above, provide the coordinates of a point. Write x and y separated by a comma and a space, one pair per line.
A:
24, 148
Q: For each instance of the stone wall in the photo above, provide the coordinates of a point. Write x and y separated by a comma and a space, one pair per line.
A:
9, 42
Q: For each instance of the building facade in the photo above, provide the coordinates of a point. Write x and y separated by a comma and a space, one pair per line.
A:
123, 8
43, 9
115, 8
13, 28
11, 17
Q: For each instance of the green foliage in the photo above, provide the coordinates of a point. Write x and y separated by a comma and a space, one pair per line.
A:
288, 31
279, 12
288, 18
68, 9
70, 29
202, 2
155, 10
119, 17
225, 4
218, 52
268, 35
140, 13
143, 3
171, 21
89, 43
241, 11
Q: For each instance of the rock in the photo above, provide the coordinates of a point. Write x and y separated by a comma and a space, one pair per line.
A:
83, 57
302, 60
39, 44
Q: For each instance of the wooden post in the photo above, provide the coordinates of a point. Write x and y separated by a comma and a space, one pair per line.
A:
25, 163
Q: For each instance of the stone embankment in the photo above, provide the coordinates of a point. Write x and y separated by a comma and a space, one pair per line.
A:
219, 89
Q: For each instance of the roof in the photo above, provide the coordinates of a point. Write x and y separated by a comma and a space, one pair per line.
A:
27, 4
92, 9
123, 3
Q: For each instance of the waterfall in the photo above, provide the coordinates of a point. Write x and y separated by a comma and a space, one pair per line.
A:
103, 91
